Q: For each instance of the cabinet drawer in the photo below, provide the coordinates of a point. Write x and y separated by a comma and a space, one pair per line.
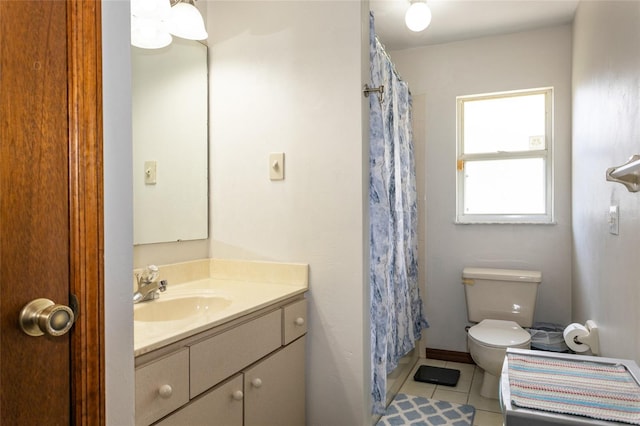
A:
221, 406
294, 321
161, 387
222, 355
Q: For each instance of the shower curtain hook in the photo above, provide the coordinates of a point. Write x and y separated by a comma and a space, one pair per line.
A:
380, 90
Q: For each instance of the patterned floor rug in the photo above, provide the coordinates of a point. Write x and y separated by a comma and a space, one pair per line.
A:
419, 411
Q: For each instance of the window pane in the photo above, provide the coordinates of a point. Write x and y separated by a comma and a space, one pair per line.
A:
514, 123
515, 186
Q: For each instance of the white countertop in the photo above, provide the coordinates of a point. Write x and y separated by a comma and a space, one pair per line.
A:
245, 296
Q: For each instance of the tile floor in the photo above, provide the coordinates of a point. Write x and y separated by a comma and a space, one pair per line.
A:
467, 391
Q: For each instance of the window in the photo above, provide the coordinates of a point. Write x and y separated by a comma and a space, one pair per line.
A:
504, 168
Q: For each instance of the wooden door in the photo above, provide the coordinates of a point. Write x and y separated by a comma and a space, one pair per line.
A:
50, 209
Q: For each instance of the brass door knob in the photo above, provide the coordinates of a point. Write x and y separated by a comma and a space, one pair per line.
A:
42, 316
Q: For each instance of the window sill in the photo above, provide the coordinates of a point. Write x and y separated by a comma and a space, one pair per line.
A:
524, 222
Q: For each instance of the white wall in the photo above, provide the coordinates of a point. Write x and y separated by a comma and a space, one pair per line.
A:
606, 132
287, 77
436, 75
118, 213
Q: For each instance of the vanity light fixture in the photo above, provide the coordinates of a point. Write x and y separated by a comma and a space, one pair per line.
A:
418, 16
146, 34
147, 23
153, 22
185, 21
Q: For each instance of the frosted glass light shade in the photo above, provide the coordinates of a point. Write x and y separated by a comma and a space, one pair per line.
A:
418, 16
148, 34
185, 21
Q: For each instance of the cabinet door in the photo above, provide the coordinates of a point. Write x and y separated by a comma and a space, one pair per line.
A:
220, 407
275, 388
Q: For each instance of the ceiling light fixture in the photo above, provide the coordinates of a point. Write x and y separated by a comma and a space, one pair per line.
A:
418, 16
154, 21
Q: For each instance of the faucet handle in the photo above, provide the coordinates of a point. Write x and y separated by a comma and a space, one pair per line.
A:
163, 285
152, 271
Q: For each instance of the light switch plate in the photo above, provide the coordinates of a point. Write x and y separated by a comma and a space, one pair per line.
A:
150, 172
614, 220
276, 166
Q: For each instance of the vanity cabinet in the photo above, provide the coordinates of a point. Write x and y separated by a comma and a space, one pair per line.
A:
250, 373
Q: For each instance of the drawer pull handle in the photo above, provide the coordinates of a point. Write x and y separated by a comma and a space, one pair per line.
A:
299, 321
257, 382
238, 395
165, 391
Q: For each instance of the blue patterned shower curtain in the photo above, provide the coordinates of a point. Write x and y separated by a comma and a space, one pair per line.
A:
397, 317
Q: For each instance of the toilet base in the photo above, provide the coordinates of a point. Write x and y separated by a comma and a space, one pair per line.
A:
490, 384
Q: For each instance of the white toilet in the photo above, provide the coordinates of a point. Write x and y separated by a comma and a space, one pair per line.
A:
501, 302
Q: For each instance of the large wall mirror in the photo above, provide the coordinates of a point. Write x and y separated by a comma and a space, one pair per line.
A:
170, 142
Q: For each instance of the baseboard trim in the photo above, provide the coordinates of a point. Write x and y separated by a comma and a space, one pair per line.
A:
453, 356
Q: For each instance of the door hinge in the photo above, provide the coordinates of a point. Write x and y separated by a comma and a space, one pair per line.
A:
74, 305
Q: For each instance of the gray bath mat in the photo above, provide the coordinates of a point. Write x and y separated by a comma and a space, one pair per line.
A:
419, 411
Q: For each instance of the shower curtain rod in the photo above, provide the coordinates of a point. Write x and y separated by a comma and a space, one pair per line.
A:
393, 65
380, 90
386, 55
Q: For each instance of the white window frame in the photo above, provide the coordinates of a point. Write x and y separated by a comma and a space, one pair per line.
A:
546, 154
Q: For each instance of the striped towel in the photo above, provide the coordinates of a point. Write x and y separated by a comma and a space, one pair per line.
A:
590, 389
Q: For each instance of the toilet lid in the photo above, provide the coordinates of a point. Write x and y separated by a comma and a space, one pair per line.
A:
498, 333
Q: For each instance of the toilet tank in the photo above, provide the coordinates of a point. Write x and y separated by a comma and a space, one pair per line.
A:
502, 294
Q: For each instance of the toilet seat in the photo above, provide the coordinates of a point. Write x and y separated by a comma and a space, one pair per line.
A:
499, 333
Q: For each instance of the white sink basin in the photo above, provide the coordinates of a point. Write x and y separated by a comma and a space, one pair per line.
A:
179, 308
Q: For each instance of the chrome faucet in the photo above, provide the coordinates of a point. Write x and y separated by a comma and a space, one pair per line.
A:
148, 286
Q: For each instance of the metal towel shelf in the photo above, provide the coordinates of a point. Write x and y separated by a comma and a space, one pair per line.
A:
628, 174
